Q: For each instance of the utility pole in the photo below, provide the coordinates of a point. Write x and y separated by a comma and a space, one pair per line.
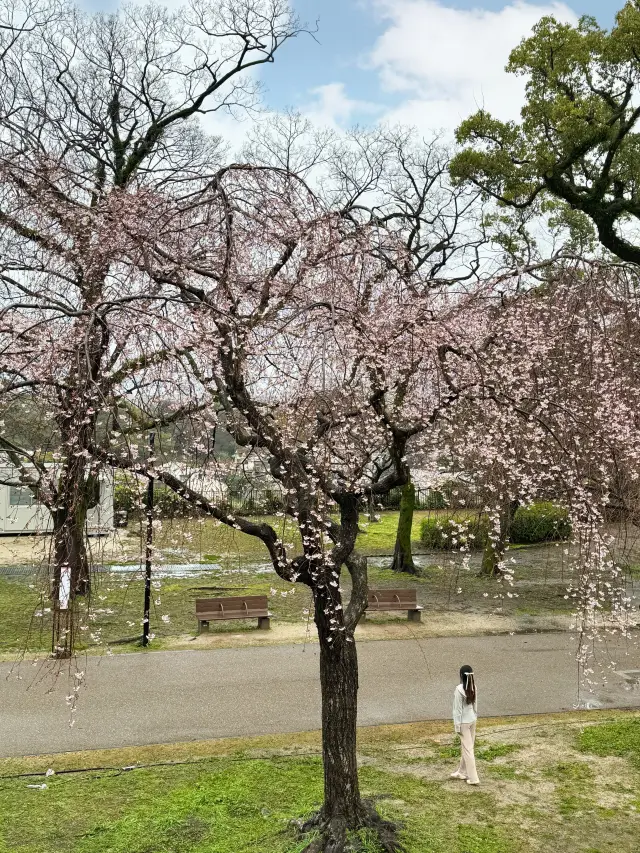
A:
149, 548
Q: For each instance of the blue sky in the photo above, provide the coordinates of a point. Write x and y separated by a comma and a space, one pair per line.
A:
428, 63
347, 31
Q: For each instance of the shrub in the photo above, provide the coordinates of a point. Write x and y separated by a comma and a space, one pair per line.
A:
263, 502
392, 500
126, 498
425, 499
129, 499
540, 522
448, 533
458, 495
168, 504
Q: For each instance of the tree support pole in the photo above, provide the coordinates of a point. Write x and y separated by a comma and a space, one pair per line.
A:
148, 550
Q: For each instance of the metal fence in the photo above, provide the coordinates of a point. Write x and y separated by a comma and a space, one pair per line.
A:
448, 497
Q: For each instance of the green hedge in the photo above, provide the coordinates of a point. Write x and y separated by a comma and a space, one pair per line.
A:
425, 499
126, 498
540, 522
447, 533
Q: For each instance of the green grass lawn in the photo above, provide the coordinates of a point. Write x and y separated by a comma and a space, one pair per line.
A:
238, 566
379, 537
553, 786
116, 608
204, 537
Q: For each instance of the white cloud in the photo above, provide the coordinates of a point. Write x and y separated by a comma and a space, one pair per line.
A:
440, 64
332, 107
449, 62
326, 106
233, 129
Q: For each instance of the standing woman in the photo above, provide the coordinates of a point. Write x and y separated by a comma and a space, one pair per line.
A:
465, 714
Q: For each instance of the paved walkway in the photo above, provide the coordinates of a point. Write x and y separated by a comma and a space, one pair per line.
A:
194, 695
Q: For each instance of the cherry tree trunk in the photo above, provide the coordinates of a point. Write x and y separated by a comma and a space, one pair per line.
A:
343, 810
495, 549
339, 689
69, 527
402, 556
70, 549
71, 570
78, 489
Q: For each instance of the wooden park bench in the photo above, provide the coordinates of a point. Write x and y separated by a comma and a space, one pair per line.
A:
395, 599
238, 607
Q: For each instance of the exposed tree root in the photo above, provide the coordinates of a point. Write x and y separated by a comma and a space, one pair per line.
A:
490, 573
61, 654
334, 835
404, 563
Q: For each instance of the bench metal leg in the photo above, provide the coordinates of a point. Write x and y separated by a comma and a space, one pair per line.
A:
264, 623
363, 618
414, 615
203, 626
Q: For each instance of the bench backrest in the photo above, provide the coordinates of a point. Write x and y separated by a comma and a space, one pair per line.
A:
397, 599
252, 605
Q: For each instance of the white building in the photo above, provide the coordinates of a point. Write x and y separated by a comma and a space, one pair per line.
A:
21, 513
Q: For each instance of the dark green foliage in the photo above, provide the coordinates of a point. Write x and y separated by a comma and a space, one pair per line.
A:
392, 500
450, 533
260, 502
167, 504
129, 498
425, 499
540, 522
433, 500
575, 154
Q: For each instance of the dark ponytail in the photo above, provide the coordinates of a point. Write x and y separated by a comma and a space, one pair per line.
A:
468, 682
